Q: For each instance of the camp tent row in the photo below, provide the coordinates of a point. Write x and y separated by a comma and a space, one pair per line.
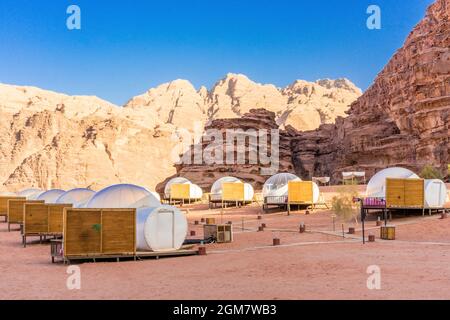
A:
283, 189
120, 219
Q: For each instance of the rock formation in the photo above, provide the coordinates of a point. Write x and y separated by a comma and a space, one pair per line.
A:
304, 105
256, 122
52, 140
402, 119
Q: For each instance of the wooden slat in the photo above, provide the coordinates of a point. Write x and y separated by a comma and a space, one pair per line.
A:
395, 193
4, 203
414, 193
16, 209
180, 191
233, 191
55, 217
81, 236
118, 231
405, 193
300, 192
99, 232
35, 218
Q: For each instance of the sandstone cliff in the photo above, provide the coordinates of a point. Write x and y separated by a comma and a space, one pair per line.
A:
402, 119
52, 140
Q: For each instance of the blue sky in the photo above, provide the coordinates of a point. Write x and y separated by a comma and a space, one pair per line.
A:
126, 47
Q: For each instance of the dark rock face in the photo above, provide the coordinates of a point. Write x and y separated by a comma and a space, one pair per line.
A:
401, 120
257, 119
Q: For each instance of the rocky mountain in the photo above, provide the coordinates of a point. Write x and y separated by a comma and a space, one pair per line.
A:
304, 105
52, 140
246, 131
403, 119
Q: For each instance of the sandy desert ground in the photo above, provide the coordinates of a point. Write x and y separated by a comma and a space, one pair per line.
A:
319, 264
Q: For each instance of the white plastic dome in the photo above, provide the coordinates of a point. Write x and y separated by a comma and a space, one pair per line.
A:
30, 194
277, 185
435, 193
195, 192
217, 186
177, 180
160, 229
50, 196
316, 193
377, 185
123, 196
77, 197
216, 189
156, 194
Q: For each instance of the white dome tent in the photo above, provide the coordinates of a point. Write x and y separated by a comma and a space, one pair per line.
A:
176, 180
156, 194
377, 185
30, 194
435, 194
195, 192
77, 197
123, 196
216, 189
275, 189
160, 229
50, 196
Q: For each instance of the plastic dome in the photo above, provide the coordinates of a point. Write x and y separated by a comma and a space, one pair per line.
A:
195, 192
77, 197
376, 187
177, 180
160, 229
123, 196
435, 193
277, 185
51, 196
217, 186
216, 189
30, 194
316, 193
156, 194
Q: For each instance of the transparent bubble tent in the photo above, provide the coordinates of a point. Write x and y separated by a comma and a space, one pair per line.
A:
195, 192
50, 196
30, 194
216, 189
275, 189
376, 188
435, 193
123, 196
77, 197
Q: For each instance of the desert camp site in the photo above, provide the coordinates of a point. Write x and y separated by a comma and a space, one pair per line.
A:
126, 221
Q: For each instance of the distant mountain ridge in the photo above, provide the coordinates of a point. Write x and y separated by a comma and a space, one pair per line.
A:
49, 139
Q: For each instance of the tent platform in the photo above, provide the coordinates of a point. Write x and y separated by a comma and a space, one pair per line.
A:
118, 257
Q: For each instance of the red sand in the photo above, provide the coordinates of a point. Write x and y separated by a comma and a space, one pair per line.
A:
306, 266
